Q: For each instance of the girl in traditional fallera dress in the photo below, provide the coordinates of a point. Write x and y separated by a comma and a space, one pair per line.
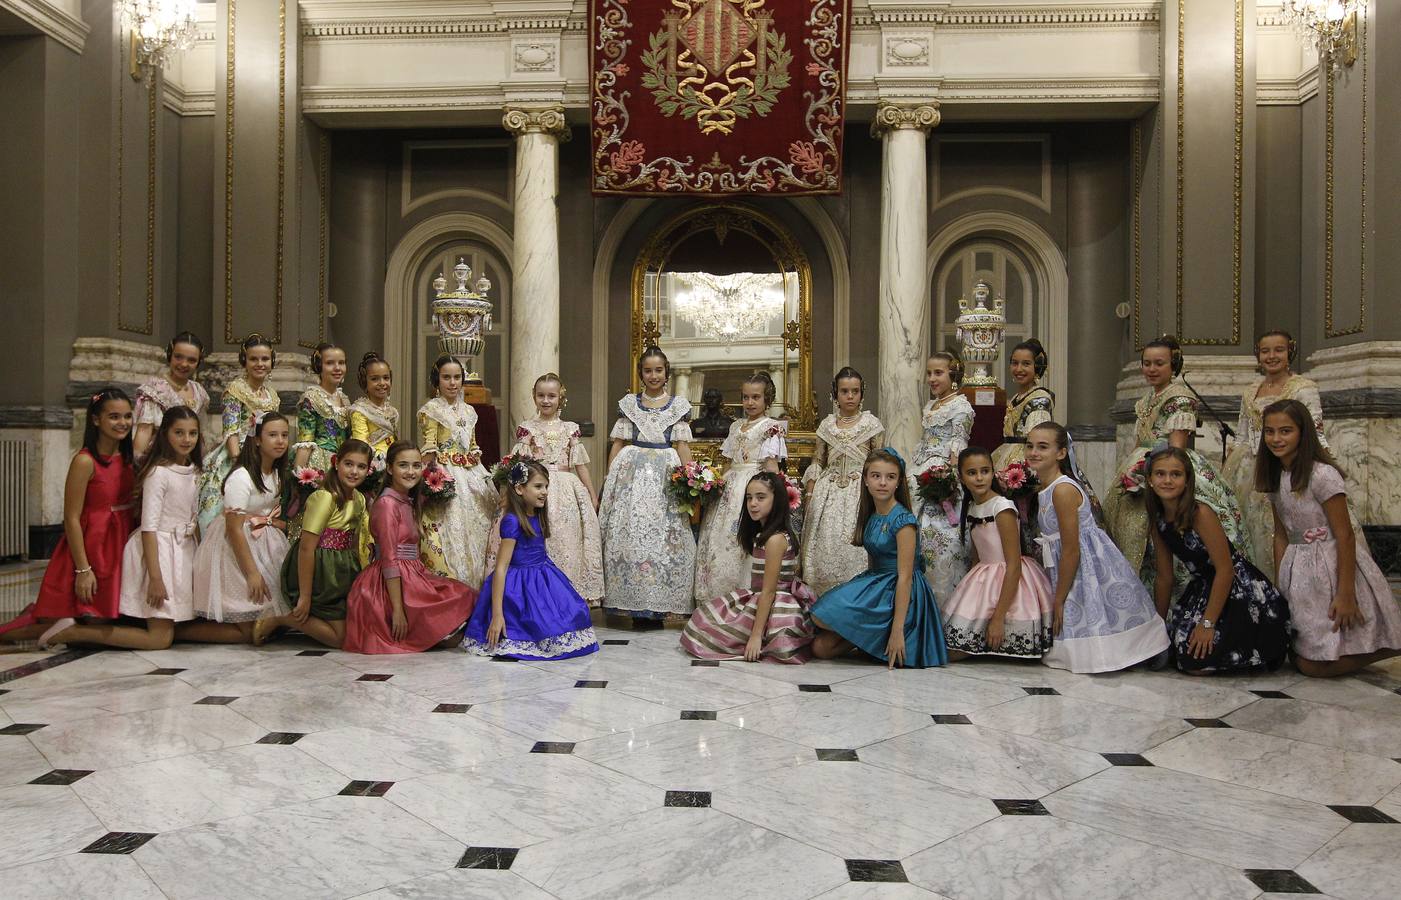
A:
396, 604
323, 411
245, 398
888, 611
456, 532
324, 558
1345, 615
832, 485
1004, 605
158, 562
1275, 352
1167, 413
948, 424
173, 387
372, 418
1103, 618
649, 553
239, 560
83, 578
768, 620
534, 611
1032, 404
754, 442
576, 540
1229, 617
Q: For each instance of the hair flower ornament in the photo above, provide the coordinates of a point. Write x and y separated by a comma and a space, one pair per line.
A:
518, 474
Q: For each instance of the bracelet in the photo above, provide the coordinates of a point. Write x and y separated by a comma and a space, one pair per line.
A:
82, 571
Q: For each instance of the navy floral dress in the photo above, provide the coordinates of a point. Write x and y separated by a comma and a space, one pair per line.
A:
1253, 630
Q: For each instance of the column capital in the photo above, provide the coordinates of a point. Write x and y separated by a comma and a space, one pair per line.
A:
521, 120
902, 117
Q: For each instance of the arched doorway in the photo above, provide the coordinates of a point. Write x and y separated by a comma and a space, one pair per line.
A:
410, 338
1022, 263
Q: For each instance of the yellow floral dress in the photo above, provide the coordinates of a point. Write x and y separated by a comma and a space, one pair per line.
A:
456, 532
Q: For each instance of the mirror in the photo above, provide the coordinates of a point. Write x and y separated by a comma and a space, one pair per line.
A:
726, 291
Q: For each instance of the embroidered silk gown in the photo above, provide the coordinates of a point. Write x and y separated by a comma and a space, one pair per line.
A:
322, 425
242, 405
157, 395
456, 532
575, 543
1024, 412
720, 562
948, 424
829, 559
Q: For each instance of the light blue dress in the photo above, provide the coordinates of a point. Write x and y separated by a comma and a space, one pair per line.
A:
1110, 621
861, 610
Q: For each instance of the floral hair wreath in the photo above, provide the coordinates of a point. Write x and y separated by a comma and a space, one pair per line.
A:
518, 474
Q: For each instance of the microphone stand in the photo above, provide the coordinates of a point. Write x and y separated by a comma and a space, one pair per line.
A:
1221, 424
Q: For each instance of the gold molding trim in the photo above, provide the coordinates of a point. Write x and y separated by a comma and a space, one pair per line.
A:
229, 97
229, 110
1137, 233
323, 152
1238, 177
1325, 68
123, 46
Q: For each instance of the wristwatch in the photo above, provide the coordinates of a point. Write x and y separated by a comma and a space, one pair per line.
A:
1207, 623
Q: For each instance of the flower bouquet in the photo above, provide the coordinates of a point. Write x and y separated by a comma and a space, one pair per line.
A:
1018, 481
694, 485
501, 472
308, 480
1135, 478
438, 485
937, 484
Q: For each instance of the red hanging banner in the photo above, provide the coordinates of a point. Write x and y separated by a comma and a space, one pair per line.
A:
718, 97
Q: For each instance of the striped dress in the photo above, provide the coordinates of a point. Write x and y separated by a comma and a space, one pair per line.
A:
720, 627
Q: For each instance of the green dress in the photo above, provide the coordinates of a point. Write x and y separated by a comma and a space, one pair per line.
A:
338, 532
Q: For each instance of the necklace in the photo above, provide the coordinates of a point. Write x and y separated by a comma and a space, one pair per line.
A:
847, 421
661, 399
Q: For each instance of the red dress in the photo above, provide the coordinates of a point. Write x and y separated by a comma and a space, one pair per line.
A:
107, 520
436, 607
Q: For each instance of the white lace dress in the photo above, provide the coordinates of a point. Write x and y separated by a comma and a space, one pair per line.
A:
829, 559
721, 565
456, 532
649, 554
575, 543
947, 427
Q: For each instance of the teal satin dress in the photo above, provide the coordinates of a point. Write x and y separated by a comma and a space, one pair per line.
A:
861, 609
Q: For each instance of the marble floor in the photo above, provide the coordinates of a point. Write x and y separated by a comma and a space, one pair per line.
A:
290, 771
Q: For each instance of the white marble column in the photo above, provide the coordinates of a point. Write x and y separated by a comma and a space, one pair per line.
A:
535, 264
681, 381
904, 295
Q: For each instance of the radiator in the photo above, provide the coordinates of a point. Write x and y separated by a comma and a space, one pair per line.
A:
14, 497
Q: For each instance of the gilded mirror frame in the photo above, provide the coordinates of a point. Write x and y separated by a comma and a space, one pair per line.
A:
788, 256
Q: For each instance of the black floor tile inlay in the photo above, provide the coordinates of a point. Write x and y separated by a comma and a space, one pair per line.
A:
165, 671
590, 684
951, 720
487, 858
552, 747
1125, 759
1363, 815
616, 642
875, 870
22, 728
371, 676
1042, 691
835, 755
1021, 808
815, 688
698, 715
314, 653
452, 707
214, 701
705, 663
695, 799
503, 659
281, 737
366, 789
1280, 881
62, 776
1207, 723
1272, 695
43, 665
118, 842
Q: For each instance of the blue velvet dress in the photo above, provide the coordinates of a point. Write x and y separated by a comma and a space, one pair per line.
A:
861, 609
545, 617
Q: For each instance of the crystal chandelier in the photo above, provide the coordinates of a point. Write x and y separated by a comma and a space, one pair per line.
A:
1330, 26
160, 29
729, 307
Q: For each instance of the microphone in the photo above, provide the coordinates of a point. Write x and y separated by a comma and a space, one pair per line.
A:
1221, 424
